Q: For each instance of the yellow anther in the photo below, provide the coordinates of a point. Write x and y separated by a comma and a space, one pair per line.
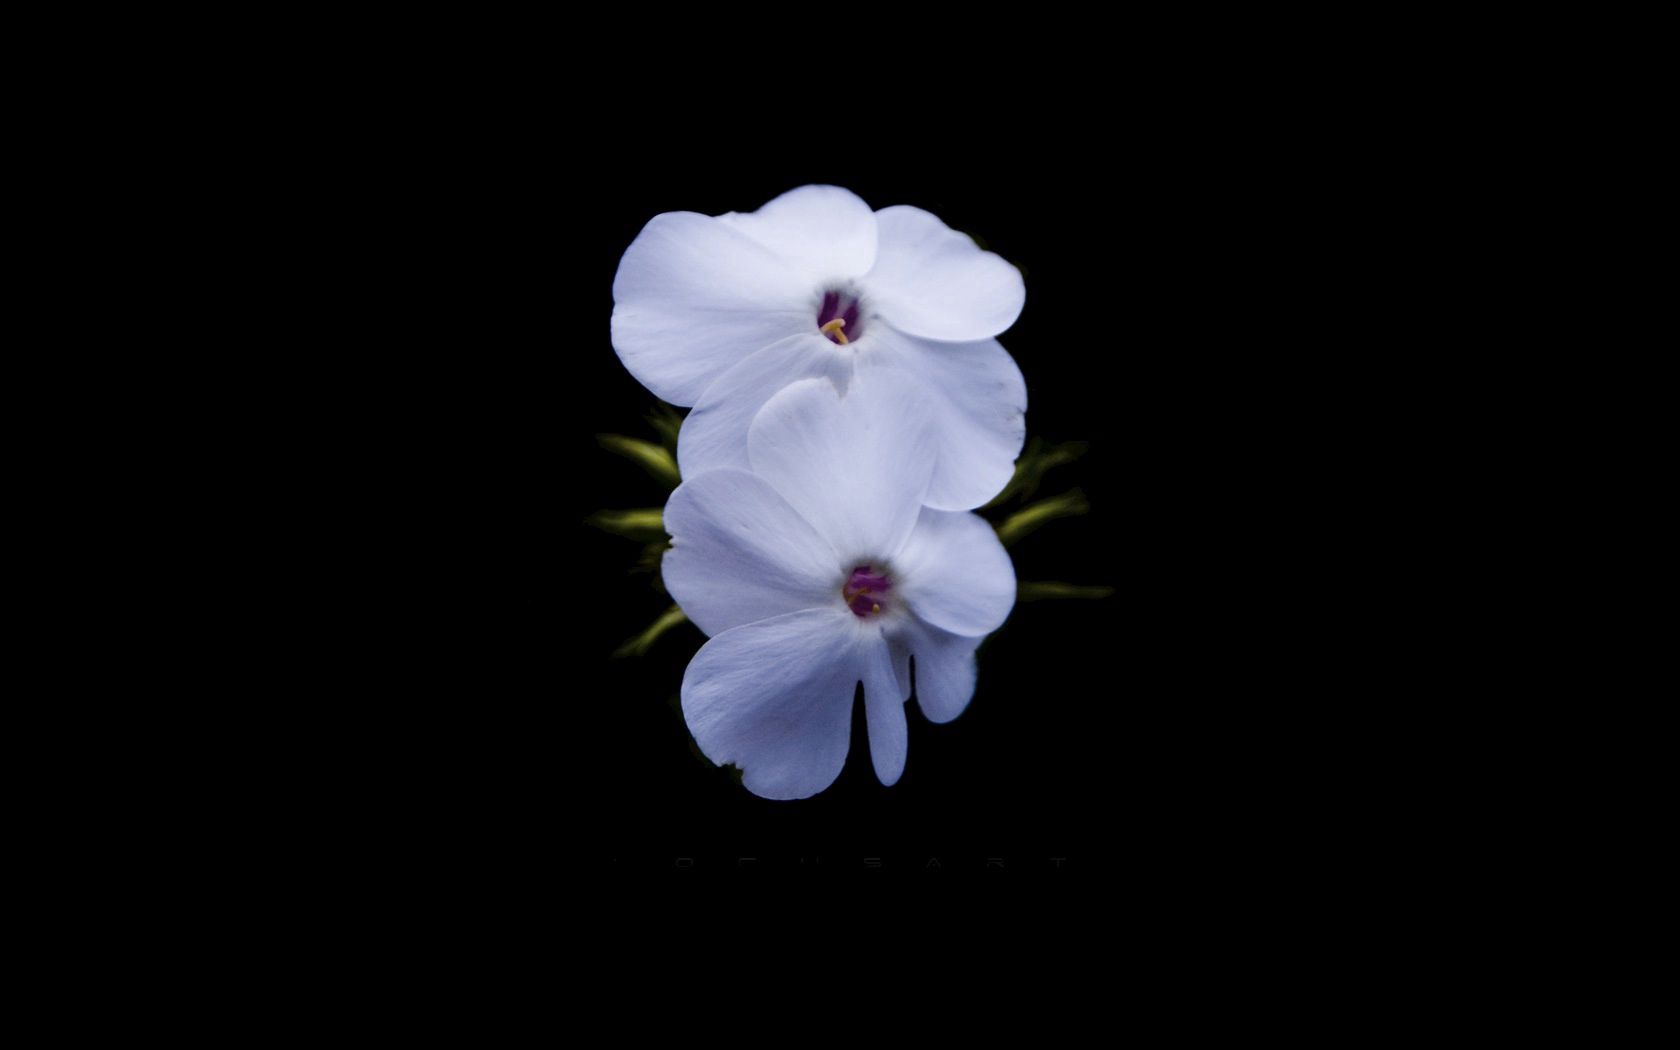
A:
833, 328
875, 608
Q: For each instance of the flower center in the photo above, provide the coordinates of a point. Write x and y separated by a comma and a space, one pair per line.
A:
840, 316
865, 591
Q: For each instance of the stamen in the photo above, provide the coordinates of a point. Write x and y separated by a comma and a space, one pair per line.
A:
841, 309
865, 590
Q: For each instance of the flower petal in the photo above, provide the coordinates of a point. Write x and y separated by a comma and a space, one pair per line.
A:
693, 296
883, 705
739, 553
945, 668
979, 401
825, 230
775, 698
714, 435
929, 280
955, 575
856, 467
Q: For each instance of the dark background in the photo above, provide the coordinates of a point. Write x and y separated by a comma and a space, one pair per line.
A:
1019, 775
1029, 772
1228, 296
1150, 724
1042, 769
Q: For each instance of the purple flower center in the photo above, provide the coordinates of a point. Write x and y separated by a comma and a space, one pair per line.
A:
838, 317
866, 591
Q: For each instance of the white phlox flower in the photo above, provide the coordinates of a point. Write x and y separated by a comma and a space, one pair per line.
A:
722, 312
821, 569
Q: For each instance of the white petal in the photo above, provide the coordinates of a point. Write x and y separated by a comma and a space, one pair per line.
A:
693, 296
944, 668
825, 230
739, 553
714, 435
929, 280
775, 698
883, 705
855, 468
954, 574
979, 401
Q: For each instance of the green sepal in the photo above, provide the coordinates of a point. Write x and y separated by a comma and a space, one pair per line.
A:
657, 460
644, 523
639, 645
1040, 590
1019, 524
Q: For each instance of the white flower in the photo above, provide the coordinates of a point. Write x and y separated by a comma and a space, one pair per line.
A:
822, 569
721, 313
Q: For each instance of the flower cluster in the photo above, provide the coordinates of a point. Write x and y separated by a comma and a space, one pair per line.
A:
850, 407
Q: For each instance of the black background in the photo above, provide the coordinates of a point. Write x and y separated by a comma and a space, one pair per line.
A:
1029, 773
1016, 779
1152, 723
